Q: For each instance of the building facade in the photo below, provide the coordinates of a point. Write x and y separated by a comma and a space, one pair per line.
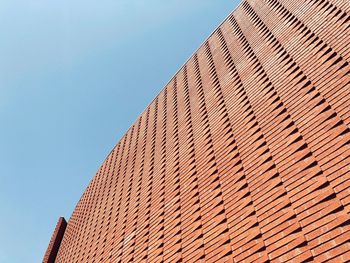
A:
55, 241
244, 156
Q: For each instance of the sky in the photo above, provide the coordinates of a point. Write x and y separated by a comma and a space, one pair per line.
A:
74, 76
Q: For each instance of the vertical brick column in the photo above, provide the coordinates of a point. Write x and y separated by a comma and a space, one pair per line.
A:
55, 242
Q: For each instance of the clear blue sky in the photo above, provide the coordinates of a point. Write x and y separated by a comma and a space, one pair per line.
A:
74, 75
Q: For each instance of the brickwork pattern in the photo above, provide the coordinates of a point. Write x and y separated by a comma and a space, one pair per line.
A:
56, 239
244, 156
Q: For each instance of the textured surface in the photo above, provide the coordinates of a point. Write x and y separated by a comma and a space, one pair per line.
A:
55, 241
243, 156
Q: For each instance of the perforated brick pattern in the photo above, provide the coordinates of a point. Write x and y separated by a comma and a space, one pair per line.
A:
243, 156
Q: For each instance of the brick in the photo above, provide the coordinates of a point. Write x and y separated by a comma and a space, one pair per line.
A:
243, 156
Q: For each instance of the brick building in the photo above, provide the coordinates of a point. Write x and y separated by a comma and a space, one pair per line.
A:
244, 156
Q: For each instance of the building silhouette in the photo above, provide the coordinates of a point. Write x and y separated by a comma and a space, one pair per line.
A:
242, 157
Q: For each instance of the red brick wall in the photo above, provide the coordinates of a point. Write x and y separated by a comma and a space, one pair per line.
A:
244, 155
55, 241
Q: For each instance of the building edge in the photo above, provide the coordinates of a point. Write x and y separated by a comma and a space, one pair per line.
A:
55, 242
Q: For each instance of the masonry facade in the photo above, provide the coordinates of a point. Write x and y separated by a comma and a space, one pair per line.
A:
244, 156
55, 241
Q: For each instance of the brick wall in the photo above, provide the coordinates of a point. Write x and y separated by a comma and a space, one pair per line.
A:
55, 241
244, 155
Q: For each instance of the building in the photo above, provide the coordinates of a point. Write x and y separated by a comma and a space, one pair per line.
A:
244, 156
55, 241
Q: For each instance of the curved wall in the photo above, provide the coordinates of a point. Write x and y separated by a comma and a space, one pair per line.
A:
243, 156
